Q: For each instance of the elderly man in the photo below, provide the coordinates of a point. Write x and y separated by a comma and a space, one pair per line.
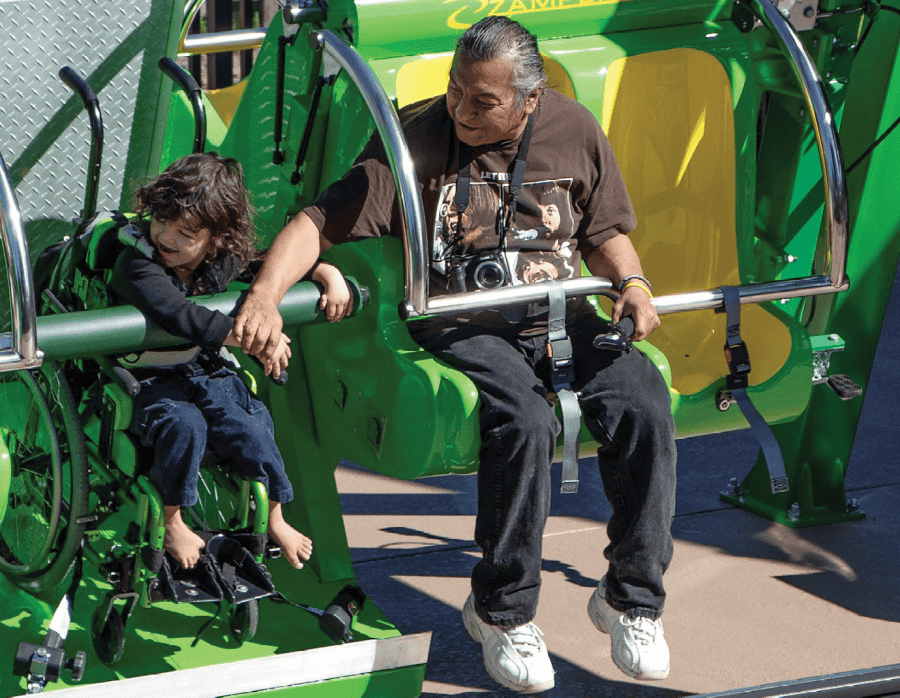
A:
497, 111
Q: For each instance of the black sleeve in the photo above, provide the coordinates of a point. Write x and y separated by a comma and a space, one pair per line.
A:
146, 285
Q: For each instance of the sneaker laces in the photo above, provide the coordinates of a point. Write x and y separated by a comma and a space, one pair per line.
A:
642, 630
525, 639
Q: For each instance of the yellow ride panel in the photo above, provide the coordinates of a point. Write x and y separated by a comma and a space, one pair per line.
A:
669, 117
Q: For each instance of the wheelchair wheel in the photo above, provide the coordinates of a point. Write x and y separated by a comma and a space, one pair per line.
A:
245, 620
108, 638
41, 435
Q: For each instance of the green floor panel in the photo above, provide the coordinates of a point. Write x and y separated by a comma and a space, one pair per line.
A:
164, 637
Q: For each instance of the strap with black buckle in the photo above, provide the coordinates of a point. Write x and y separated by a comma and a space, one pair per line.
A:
738, 358
562, 373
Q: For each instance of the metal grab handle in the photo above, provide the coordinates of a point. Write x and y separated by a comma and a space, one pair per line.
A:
23, 352
189, 86
836, 215
92, 105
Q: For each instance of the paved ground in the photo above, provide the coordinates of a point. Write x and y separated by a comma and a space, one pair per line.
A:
750, 602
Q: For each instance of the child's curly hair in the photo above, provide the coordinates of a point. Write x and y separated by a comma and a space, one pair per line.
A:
208, 191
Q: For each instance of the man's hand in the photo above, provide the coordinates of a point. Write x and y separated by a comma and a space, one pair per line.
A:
258, 328
635, 301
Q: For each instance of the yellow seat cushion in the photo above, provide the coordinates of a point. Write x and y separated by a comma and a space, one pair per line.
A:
669, 117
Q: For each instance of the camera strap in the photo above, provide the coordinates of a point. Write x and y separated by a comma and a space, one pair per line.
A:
562, 373
517, 178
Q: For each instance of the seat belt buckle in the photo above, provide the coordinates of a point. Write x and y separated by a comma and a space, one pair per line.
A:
569, 487
562, 364
191, 370
780, 484
738, 359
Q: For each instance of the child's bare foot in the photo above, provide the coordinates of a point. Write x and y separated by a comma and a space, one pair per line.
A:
294, 545
180, 541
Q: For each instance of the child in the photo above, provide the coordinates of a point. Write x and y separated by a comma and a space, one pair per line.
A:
197, 237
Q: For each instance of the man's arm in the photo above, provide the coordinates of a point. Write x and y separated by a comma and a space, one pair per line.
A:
615, 259
293, 253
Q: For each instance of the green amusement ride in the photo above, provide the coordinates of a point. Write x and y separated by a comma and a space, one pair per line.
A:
755, 140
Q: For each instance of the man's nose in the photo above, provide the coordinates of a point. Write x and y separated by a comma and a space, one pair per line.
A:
463, 110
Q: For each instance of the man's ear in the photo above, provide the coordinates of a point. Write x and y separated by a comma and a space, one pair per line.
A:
532, 100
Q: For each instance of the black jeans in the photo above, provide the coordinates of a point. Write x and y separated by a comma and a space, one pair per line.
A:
626, 407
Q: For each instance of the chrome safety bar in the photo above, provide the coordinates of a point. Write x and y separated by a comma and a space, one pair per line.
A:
836, 217
222, 42
412, 216
418, 304
23, 352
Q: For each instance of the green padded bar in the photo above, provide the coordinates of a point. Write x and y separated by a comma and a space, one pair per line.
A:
83, 335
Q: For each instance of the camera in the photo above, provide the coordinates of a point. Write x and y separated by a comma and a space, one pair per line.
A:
480, 272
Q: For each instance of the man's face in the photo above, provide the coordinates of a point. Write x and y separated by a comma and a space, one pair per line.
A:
482, 101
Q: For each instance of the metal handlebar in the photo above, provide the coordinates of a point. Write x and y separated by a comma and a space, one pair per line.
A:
92, 105
22, 351
189, 85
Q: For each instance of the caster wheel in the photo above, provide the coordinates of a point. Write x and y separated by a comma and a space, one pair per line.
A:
245, 620
108, 639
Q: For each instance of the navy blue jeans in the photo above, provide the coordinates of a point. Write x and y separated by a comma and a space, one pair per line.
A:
626, 407
179, 416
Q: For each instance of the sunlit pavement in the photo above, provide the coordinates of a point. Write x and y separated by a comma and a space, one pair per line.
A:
749, 602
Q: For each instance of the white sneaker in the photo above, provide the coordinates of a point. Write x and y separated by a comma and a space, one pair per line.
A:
638, 645
516, 658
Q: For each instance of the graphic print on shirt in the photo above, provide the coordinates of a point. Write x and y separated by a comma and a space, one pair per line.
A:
536, 247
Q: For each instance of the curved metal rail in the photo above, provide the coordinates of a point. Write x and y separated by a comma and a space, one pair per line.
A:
412, 215
836, 216
21, 352
418, 304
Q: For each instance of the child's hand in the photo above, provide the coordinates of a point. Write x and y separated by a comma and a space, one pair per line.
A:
337, 302
279, 361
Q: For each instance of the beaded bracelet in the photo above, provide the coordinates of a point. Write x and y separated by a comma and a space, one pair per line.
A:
639, 285
639, 278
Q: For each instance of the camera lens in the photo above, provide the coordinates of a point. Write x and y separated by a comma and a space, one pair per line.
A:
489, 274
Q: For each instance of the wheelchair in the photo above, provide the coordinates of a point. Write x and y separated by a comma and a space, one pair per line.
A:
78, 473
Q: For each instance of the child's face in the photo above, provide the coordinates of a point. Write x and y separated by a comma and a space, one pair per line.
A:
180, 244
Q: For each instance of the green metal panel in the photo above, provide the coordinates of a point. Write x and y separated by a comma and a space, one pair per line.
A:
396, 683
434, 27
821, 442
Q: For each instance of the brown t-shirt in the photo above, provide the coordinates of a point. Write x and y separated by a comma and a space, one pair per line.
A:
573, 198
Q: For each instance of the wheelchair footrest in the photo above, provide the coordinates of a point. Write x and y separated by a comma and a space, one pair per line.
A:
242, 578
226, 571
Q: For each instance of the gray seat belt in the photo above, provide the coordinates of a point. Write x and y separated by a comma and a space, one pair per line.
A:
562, 373
738, 359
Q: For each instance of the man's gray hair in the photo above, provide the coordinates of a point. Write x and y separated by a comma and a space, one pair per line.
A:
500, 37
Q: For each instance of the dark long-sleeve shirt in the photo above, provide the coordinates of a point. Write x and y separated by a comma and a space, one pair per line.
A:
161, 296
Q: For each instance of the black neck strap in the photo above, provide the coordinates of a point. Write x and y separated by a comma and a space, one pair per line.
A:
517, 177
